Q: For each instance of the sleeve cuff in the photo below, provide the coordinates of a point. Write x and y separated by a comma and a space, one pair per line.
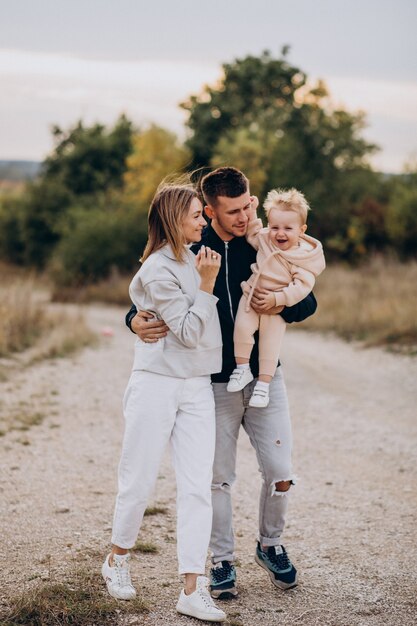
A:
205, 298
280, 299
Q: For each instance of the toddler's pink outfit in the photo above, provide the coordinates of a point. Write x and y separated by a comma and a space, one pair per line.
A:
291, 275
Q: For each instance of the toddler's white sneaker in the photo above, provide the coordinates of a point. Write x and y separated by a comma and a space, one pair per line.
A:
259, 398
239, 378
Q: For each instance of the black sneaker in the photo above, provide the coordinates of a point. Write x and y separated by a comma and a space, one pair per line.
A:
223, 581
278, 565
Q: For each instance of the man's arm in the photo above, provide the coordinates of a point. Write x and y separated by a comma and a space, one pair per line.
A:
300, 311
129, 317
139, 324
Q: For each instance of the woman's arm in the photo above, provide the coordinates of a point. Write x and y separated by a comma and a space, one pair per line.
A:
173, 306
186, 321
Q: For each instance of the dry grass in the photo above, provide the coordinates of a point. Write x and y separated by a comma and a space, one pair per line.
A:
25, 322
113, 290
22, 319
79, 601
67, 333
145, 547
156, 510
376, 303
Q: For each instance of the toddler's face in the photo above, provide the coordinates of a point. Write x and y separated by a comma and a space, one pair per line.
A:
285, 228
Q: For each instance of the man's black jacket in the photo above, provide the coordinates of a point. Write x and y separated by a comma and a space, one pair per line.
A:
237, 257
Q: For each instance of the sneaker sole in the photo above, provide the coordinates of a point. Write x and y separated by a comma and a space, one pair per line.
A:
198, 615
224, 594
277, 583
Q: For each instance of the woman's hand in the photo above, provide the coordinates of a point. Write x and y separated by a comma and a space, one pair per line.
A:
263, 302
208, 265
147, 328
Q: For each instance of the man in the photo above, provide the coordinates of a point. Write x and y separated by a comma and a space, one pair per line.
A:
230, 207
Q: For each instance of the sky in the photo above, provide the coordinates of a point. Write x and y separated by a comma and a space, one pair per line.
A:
65, 60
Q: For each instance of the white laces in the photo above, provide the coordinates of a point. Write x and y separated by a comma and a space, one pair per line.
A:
203, 592
122, 572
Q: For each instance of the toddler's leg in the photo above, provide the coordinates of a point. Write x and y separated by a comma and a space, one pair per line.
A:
246, 324
271, 332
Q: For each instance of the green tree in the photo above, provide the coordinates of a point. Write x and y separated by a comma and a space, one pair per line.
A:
402, 213
85, 169
95, 241
89, 160
156, 154
265, 118
254, 93
11, 243
244, 150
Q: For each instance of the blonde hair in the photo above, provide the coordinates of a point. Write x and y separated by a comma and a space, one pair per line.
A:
287, 200
168, 209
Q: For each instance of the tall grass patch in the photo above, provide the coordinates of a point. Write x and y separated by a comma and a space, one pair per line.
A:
111, 290
22, 319
26, 322
80, 601
375, 303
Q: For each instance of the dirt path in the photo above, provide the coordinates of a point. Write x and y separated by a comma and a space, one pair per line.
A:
352, 528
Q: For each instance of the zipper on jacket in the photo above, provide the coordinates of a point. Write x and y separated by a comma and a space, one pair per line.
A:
226, 248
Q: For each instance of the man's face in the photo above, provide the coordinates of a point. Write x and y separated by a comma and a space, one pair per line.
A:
230, 216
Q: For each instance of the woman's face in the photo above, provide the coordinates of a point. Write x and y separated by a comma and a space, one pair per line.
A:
193, 222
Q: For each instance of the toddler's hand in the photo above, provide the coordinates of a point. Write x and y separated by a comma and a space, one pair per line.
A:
254, 202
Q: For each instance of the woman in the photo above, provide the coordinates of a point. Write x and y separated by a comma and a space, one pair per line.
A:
169, 397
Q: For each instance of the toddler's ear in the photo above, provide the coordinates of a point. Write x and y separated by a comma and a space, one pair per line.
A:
303, 228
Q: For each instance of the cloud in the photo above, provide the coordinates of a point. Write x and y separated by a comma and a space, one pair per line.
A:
69, 88
396, 99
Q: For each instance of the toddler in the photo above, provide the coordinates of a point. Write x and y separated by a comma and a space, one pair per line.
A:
286, 265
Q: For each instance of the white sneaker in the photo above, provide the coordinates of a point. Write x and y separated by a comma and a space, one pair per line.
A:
117, 577
199, 604
239, 378
259, 398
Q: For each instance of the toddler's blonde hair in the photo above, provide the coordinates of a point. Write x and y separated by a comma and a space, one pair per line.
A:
287, 200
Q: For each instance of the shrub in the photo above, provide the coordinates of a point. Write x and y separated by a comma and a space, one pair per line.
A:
94, 242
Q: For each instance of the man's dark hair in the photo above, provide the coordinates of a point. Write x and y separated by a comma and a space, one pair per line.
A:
224, 181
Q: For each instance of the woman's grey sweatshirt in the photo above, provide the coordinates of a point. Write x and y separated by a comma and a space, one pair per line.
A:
170, 290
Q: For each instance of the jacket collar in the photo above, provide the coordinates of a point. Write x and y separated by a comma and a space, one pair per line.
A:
213, 236
169, 253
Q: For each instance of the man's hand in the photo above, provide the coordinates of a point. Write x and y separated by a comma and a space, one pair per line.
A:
147, 328
263, 302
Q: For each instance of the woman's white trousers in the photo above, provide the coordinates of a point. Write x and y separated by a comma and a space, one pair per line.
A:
160, 409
